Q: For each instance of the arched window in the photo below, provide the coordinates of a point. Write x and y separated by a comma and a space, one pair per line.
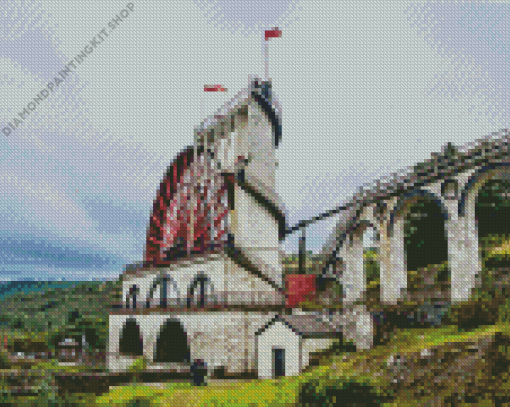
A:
164, 292
200, 292
131, 296
172, 343
131, 342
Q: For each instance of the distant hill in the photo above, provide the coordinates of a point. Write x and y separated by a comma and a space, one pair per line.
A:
25, 287
46, 306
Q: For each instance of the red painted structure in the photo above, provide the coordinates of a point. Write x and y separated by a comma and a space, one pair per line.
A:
299, 288
168, 236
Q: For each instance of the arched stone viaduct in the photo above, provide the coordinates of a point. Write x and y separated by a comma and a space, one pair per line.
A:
451, 181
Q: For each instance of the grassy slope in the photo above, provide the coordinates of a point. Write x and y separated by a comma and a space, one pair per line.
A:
358, 366
90, 301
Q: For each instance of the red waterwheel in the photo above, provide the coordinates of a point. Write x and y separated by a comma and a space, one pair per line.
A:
192, 193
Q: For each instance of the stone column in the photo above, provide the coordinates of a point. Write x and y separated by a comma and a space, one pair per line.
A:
354, 274
115, 325
149, 344
463, 253
357, 326
393, 266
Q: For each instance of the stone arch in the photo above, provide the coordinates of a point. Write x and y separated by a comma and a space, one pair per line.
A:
424, 238
164, 292
473, 181
131, 296
200, 291
131, 340
172, 344
468, 211
405, 199
492, 212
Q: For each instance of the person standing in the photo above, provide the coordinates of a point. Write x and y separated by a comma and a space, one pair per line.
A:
199, 372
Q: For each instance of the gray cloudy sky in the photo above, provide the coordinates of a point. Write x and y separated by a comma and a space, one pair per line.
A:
366, 88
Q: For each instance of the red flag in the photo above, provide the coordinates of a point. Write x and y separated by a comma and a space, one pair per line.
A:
214, 88
274, 33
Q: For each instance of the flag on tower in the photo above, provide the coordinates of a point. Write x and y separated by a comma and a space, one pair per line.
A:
214, 88
273, 33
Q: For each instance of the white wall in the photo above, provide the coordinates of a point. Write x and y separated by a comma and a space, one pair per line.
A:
257, 140
278, 335
220, 338
243, 285
256, 232
255, 226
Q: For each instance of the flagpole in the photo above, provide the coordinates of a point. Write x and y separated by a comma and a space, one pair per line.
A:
274, 32
266, 59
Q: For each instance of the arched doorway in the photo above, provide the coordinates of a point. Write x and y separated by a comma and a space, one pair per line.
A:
172, 344
131, 342
492, 214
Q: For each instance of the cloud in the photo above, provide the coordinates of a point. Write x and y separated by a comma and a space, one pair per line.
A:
247, 16
474, 38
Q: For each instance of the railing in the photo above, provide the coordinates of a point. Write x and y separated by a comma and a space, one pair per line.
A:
219, 299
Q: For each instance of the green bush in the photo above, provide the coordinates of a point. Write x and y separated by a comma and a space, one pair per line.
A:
372, 270
338, 392
139, 365
4, 360
504, 311
338, 289
139, 402
482, 309
6, 399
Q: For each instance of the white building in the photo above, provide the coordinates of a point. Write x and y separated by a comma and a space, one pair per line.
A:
285, 343
212, 274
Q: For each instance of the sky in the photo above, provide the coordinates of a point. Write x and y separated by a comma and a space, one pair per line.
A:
367, 88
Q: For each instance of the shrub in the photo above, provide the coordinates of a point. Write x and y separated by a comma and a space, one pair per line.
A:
482, 309
372, 270
339, 393
139, 365
139, 402
4, 360
504, 311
